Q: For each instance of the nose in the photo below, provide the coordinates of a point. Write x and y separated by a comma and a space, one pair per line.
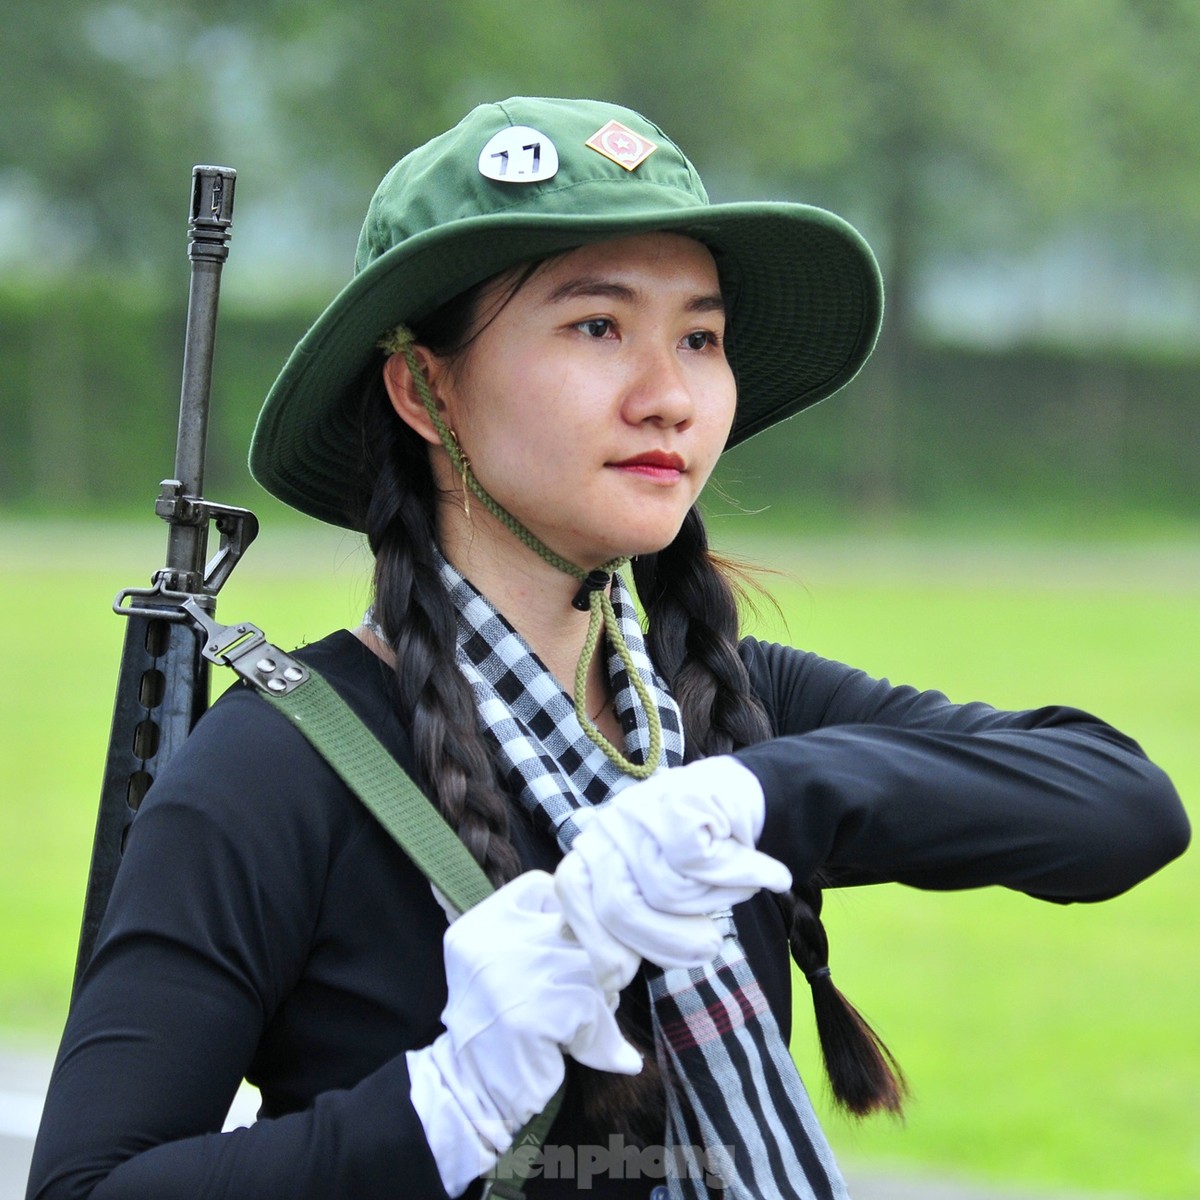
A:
658, 389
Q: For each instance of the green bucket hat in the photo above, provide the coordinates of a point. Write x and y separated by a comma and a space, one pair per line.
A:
519, 180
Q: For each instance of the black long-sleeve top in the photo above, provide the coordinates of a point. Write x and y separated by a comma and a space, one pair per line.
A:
264, 925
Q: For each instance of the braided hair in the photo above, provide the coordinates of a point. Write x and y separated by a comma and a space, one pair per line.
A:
691, 606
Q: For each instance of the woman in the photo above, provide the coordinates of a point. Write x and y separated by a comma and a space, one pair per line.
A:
550, 338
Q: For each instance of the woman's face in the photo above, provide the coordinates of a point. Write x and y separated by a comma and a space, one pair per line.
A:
594, 405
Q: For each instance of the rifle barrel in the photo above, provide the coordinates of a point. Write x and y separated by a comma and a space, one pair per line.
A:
208, 248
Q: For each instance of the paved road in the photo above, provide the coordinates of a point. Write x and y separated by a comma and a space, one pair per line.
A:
23, 1076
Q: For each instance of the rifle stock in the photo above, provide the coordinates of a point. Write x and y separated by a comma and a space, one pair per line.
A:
162, 683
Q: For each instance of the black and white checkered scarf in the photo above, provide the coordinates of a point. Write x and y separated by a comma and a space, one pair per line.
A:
737, 1111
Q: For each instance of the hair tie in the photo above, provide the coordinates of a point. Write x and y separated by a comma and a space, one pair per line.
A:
816, 975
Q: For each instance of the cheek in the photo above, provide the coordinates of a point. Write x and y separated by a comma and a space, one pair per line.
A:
513, 428
714, 427
730, 405
722, 409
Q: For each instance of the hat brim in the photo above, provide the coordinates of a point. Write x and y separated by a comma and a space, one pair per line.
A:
802, 288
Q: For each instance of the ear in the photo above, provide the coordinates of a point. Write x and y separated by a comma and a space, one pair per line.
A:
403, 393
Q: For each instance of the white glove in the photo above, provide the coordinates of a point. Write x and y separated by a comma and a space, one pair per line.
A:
648, 867
521, 993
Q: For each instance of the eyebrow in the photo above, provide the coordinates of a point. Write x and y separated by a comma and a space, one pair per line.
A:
593, 285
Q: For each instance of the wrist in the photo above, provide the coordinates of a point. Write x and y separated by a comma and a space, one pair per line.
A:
741, 789
465, 1132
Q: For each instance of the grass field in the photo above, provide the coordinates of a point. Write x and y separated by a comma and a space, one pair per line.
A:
1047, 1046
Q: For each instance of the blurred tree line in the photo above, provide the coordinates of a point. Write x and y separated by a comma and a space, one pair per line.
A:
957, 134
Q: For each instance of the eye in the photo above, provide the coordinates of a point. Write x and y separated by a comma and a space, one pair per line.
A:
596, 327
701, 339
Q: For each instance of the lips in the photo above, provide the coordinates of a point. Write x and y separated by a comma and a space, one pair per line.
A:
655, 460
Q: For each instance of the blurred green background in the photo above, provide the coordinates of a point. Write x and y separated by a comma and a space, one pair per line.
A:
1003, 505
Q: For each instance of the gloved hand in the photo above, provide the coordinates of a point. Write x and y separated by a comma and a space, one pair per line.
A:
521, 993
648, 867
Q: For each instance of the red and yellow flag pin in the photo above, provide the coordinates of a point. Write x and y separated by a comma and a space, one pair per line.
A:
618, 142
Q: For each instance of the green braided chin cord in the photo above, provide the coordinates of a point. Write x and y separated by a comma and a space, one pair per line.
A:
601, 615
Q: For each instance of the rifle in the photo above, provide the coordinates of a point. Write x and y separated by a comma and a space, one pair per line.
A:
170, 635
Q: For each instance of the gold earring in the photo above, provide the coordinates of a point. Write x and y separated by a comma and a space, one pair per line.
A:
464, 466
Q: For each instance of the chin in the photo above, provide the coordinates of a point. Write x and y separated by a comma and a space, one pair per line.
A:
645, 536
651, 542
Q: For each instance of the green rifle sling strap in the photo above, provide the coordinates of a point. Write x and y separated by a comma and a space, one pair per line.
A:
386, 789
391, 796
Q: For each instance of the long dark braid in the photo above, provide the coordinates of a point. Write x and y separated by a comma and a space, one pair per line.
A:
692, 614
453, 761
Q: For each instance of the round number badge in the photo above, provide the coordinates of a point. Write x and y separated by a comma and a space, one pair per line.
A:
519, 154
